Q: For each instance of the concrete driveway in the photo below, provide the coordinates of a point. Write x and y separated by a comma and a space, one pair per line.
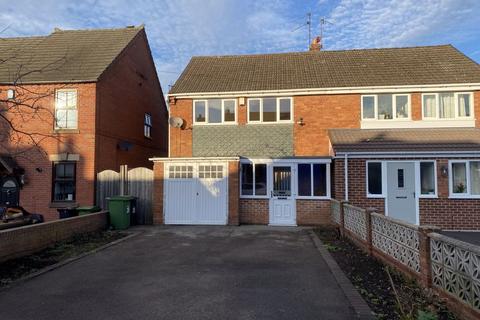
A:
188, 273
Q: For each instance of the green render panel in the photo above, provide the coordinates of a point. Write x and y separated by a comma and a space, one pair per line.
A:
251, 140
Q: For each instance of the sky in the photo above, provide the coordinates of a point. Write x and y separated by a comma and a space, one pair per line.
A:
180, 29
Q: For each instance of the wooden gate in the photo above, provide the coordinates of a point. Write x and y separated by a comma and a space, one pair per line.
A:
137, 182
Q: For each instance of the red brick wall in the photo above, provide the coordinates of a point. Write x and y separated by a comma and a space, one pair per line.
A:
319, 114
158, 175
313, 212
254, 211
22, 241
233, 192
36, 194
181, 138
126, 91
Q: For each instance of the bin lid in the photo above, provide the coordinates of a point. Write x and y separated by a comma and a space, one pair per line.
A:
88, 208
124, 198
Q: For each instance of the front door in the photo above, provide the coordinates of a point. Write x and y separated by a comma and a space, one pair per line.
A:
282, 201
401, 197
9, 192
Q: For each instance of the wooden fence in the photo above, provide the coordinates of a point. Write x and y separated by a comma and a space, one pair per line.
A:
449, 266
137, 182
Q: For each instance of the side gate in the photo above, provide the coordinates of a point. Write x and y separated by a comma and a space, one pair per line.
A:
137, 182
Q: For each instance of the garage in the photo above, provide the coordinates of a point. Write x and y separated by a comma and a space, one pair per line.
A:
196, 193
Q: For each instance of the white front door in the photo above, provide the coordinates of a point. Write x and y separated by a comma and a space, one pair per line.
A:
282, 200
401, 195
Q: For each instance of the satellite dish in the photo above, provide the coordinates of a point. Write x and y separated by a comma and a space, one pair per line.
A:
175, 122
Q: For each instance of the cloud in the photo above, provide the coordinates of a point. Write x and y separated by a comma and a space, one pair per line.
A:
180, 29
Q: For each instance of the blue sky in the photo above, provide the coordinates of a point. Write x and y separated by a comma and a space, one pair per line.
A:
179, 29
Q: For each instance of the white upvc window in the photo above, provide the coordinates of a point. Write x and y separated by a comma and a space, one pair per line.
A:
270, 110
386, 107
447, 105
464, 178
375, 180
66, 112
147, 126
253, 180
215, 111
313, 180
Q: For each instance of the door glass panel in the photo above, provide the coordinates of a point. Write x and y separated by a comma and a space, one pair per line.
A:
282, 181
401, 178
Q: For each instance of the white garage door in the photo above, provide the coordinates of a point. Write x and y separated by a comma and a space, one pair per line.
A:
196, 193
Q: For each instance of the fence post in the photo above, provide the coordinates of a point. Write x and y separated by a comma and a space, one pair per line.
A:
424, 252
342, 217
368, 219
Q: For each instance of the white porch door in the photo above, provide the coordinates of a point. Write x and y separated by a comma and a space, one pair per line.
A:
282, 200
401, 196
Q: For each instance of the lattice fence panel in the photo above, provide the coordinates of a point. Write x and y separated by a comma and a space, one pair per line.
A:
397, 240
355, 221
456, 268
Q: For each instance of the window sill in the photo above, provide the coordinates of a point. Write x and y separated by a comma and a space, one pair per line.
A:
255, 197
464, 197
63, 204
69, 131
375, 196
426, 196
313, 198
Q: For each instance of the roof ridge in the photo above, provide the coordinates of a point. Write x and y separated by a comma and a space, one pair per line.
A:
322, 51
139, 27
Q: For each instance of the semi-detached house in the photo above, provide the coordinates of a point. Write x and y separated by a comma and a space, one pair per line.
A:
270, 139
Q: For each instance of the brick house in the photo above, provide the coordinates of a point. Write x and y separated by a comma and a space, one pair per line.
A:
270, 139
90, 99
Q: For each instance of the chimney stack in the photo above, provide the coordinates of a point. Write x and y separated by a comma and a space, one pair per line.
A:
316, 44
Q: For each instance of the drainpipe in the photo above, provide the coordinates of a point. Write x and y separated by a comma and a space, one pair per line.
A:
345, 164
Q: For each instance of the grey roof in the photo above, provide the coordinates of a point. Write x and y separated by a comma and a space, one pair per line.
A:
63, 56
328, 69
444, 139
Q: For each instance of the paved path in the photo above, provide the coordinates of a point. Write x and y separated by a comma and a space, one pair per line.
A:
188, 273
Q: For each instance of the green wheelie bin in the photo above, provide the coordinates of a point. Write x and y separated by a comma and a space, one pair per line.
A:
87, 209
120, 209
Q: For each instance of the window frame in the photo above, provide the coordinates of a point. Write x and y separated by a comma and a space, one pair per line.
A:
328, 177
54, 180
455, 98
57, 91
435, 179
147, 125
222, 122
383, 168
254, 196
465, 195
394, 107
277, 120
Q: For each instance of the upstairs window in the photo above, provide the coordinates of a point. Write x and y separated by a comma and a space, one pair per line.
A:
66, 113
385, 107
269, 110
147, 126
447, 105
215, 111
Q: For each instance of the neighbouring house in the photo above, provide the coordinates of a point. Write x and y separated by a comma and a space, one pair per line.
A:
271, 138
80, 102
